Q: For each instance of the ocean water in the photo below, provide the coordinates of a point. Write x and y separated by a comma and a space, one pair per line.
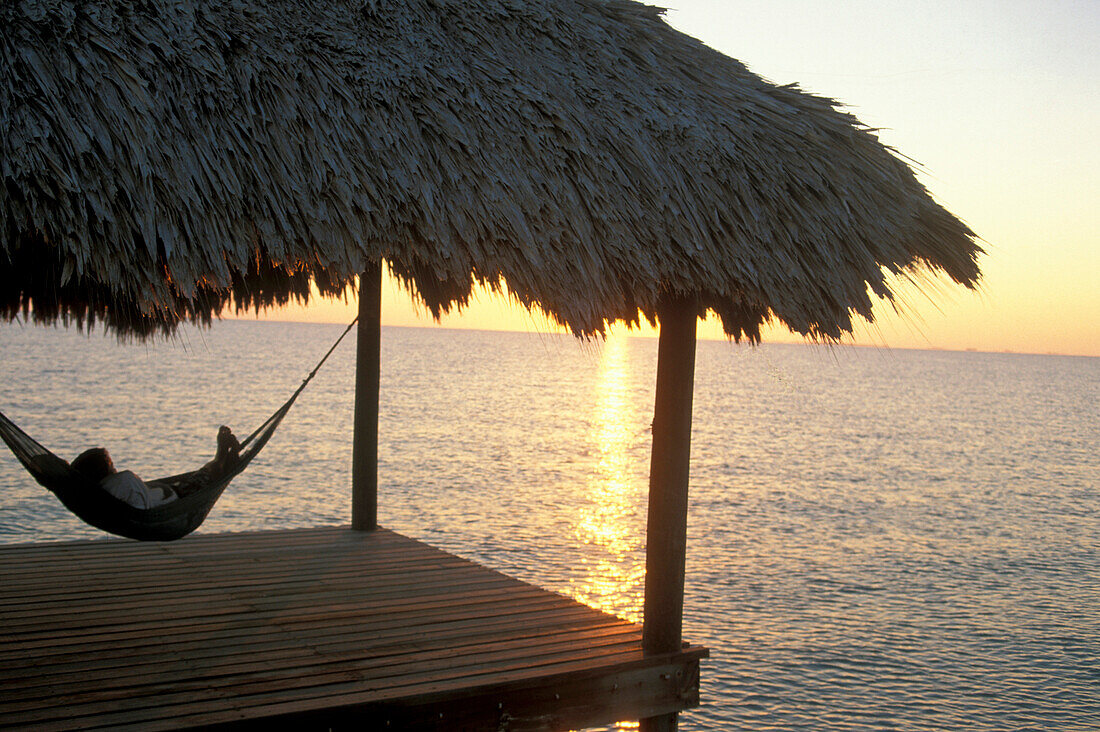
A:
878, 539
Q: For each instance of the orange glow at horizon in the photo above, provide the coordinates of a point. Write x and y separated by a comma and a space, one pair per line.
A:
937, 316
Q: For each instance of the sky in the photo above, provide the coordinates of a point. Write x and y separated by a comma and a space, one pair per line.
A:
998, 101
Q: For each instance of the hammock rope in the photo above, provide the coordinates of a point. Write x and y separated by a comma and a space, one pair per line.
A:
166, 522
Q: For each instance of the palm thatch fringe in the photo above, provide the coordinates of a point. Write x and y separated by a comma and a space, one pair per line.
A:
161, 157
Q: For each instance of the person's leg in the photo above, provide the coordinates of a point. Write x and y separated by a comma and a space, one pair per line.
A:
229, 447
229, 452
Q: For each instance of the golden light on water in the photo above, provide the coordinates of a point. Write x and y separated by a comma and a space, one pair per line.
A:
609, 524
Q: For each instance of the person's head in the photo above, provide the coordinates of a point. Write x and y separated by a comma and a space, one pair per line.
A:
94, 464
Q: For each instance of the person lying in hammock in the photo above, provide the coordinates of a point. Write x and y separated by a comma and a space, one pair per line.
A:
96, 464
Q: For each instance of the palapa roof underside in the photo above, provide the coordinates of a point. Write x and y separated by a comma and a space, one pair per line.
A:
160, 157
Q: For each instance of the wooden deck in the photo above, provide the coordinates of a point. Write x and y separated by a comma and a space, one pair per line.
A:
325, 628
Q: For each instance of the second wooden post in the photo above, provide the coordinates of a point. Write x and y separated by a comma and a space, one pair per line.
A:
666, 532
364, 460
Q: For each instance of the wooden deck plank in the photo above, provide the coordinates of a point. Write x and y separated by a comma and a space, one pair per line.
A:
244, 643
271, 593
297, 611
142, 690
273, 566
302, 624
250, 624
546, 623
345, 606
319, 559
318, 680
208, 547
378, 662
113, 673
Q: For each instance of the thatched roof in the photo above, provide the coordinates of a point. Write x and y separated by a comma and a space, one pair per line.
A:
159, 156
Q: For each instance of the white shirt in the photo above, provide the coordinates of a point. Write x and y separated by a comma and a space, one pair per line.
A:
129, 488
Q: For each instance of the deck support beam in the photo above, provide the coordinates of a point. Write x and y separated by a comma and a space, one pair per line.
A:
364, 461
666, 533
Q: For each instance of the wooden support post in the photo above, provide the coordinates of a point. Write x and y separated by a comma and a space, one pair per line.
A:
666, 533
364, 459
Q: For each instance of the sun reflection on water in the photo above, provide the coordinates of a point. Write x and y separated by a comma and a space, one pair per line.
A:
610, 524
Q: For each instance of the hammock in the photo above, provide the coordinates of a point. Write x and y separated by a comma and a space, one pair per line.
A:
95, 506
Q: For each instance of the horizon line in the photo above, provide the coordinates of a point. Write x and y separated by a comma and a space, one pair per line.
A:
629, 332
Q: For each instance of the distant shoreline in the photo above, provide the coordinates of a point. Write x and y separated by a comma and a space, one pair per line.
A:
653, 336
